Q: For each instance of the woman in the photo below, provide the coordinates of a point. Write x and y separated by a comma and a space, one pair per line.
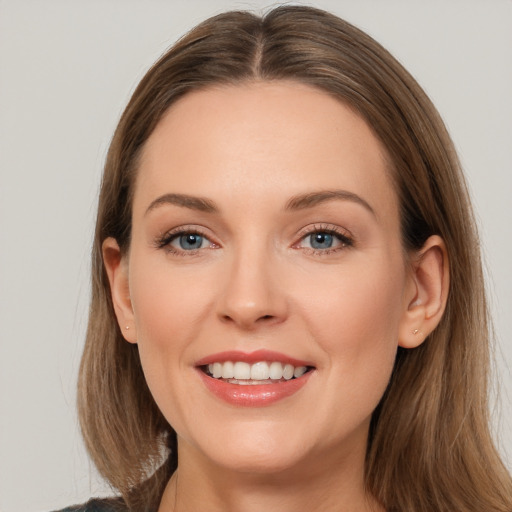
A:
288, 305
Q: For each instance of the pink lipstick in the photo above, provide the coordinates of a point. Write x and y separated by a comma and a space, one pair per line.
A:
253, 379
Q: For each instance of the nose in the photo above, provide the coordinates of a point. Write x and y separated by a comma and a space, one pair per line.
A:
252, 295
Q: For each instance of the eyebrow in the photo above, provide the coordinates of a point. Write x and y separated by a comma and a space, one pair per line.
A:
298, 202
194, 203
308, 200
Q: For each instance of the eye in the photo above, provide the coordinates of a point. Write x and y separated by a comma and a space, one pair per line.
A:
324, 240
321, 240
184, 241
189, 241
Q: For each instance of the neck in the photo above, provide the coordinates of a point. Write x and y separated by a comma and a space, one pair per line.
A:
335, 485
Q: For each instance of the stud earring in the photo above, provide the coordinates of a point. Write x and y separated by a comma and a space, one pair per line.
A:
127, 327
416, 331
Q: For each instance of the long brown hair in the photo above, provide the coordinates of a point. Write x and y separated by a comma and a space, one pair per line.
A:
429, 446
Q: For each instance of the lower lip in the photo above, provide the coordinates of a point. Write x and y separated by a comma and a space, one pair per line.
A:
253, 395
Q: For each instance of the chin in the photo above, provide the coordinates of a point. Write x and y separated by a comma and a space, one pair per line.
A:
259, 462
248, 449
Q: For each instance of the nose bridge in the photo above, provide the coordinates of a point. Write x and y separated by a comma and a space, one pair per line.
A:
252, 295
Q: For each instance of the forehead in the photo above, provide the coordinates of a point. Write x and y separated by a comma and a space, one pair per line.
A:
262, 139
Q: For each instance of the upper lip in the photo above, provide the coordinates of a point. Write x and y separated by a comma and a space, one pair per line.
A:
251, 358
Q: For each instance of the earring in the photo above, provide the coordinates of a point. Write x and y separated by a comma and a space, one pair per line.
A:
416, 331
127, 327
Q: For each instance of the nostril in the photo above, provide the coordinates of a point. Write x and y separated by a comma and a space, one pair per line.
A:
249, 319
266, 319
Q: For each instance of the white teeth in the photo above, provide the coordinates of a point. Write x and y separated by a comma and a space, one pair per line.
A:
241, 370
228, 371
260, 371
276, 370
288, 371
299, 371
217, 370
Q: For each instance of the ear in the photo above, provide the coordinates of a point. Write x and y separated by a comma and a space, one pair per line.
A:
426, 293
116, 266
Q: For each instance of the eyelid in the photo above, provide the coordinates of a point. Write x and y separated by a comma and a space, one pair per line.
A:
164, 240
344, 236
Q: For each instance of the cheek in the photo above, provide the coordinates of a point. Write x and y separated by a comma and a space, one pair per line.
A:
169, 309
168, 306
356, 324
357, 304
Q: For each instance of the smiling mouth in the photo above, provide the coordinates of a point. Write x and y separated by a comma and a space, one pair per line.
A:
261, 372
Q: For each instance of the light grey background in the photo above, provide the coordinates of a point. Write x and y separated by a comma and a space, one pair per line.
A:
66, 71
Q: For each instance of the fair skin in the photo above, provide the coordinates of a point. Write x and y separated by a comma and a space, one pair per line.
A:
294, 247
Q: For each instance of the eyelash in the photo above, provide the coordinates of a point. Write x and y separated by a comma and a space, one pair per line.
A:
345, 240
165, 241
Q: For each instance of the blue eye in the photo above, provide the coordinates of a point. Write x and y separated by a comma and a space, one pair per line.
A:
321, 240
324, 241
184, 241
190, 241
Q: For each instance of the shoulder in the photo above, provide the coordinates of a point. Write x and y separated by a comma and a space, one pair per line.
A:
99, 505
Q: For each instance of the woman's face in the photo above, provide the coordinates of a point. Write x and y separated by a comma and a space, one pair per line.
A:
265, 234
